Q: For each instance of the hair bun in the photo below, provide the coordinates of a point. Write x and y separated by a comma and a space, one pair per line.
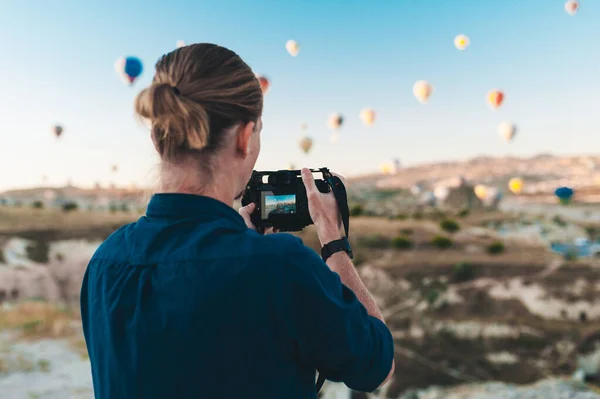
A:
183, 123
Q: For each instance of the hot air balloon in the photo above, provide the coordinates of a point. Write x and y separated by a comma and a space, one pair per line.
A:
292, 47
129, 68
57, 130
481, 191
367, 115
515, 185
461, 42
495, 98
114, 168
180, 43
397, 164
264, 83
335, 121
334, 138
291, 166
564, 194
303, 127
422, 90
305, 144
507, 130
571, 7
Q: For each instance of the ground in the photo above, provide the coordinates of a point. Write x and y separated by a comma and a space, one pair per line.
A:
460, 312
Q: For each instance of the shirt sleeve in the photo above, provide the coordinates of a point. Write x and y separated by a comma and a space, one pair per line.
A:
331, 328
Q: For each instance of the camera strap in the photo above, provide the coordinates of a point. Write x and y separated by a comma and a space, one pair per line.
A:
339, 192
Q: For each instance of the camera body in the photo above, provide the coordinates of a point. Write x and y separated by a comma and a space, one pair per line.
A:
281, 200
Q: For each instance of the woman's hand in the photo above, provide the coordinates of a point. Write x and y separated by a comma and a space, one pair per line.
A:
246, 211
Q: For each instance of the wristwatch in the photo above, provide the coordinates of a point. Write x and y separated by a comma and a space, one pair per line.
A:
336, 246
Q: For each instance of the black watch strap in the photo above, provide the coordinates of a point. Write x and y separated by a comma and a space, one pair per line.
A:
336, 246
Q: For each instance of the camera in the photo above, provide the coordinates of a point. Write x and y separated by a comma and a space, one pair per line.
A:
280, 198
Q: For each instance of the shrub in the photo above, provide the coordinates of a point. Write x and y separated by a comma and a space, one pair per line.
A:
442, 242
124, 208
37, 204
449, 225
113, 208
495, 248
559, 221
592, 232
69, 206
570, 255
401, 216
432, 296
374, 241
462, 271
417, 215
356, 210
463, 213
401, 242
407, 232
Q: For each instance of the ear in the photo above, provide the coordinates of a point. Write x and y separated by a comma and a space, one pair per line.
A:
243, 138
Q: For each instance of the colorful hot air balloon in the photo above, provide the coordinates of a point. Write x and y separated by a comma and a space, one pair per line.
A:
335, 121
481, 191
495, 98
129, 68
114, 168
180, 43
305, 144
422, 90
507, 130
461, 42
264, 83
515, 185
571, 7
57, 130
292, 47
564, 194
367, 115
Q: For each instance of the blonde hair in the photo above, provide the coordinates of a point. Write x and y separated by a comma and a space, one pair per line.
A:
197, 93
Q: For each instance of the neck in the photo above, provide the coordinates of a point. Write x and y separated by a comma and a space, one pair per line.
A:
187, 178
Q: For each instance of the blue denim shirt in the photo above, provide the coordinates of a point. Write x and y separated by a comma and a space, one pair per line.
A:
188, 302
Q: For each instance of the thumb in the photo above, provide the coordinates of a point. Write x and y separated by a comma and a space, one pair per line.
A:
246, 211
309, 181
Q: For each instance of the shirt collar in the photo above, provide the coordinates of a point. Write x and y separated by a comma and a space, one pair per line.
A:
175, 205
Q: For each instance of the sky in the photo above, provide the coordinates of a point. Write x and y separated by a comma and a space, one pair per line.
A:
58, 67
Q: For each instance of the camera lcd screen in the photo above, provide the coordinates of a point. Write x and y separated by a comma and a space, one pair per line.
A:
284, 204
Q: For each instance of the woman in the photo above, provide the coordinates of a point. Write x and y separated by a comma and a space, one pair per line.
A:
190, 301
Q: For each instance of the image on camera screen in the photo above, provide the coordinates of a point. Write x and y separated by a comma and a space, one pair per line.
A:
278, 205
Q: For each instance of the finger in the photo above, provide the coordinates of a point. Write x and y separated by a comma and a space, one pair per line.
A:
245, 213
309, 181
247, 210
